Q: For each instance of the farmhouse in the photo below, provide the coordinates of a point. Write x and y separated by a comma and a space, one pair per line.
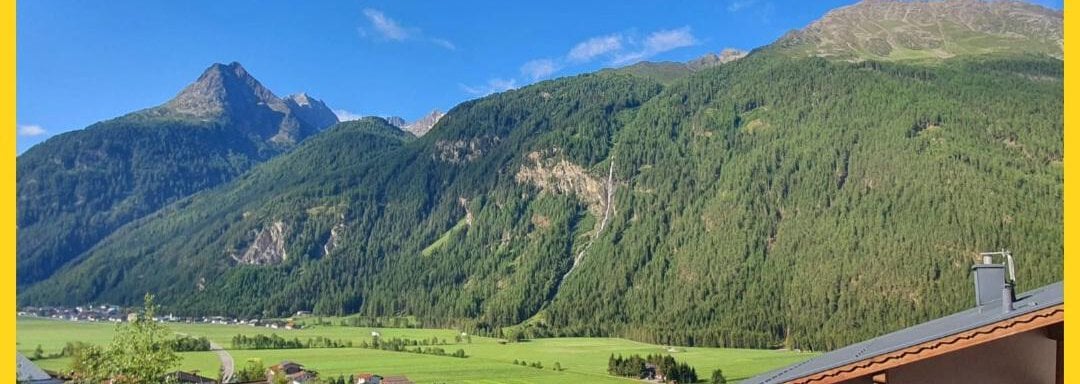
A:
370, 378
1005, 338
293, 372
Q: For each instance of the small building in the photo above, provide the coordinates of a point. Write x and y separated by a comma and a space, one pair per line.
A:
29, 373
294, 372
368, 378
1005, 338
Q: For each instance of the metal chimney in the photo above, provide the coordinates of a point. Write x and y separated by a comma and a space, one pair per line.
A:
991, 283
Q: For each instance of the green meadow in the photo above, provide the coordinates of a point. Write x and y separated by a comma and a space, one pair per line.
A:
488, 361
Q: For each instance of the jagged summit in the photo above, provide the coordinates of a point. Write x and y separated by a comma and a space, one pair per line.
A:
229, 94
311, 110
219, 87
420, 127
899, 30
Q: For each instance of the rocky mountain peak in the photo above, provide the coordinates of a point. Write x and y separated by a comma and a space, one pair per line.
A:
301, 99
228, 94
311, 111
420, 127
220, 87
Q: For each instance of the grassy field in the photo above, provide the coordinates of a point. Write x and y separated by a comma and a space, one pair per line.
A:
582, 359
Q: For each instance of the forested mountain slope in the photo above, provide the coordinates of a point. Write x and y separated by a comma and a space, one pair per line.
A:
76, 188
773, 200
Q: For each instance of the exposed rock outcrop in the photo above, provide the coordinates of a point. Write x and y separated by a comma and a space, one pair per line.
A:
556, 175
268, 248
464, 151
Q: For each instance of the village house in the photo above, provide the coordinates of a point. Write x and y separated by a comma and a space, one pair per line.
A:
294, 372
371, 378
368, 378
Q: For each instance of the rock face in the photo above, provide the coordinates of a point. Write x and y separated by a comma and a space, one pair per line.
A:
464, 151
268, 248
555, 175
229, 94
311, 110
397, 121
713, 59
930, 29
420, 127
334, 240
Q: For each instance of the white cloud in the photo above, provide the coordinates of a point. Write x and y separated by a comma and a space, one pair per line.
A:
492, 86
390, 29
386, 26
659, 42
594, 47
444, 43
343, 115
738, 5
31, 130
539, 68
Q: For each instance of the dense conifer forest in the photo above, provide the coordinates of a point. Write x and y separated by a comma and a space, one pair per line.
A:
774, 201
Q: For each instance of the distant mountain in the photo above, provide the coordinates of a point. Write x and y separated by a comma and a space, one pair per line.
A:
424, 124
904, 30
311, 111
713, 59
668, 71
76, 188
228, 95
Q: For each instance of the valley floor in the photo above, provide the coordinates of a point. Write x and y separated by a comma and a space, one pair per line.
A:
488, 361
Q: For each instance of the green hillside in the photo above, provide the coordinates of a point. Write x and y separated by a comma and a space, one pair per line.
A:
770, 201
77, 188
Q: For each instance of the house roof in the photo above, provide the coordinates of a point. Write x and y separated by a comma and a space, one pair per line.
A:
30, 372
991, 313
396, 380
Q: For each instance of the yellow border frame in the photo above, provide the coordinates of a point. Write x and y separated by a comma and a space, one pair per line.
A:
7, 102
1072, 242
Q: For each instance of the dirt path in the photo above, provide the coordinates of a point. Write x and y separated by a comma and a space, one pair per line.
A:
227, 366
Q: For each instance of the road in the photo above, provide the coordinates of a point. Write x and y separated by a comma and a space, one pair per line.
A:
227, 366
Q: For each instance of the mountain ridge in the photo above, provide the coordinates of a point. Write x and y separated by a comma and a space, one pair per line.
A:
77, 187
914, 30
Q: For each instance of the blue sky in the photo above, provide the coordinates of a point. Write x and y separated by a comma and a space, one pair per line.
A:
80, 62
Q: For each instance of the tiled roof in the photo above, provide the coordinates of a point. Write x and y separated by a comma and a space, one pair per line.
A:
987, 314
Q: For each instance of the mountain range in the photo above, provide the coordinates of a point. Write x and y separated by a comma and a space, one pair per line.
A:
829, 187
